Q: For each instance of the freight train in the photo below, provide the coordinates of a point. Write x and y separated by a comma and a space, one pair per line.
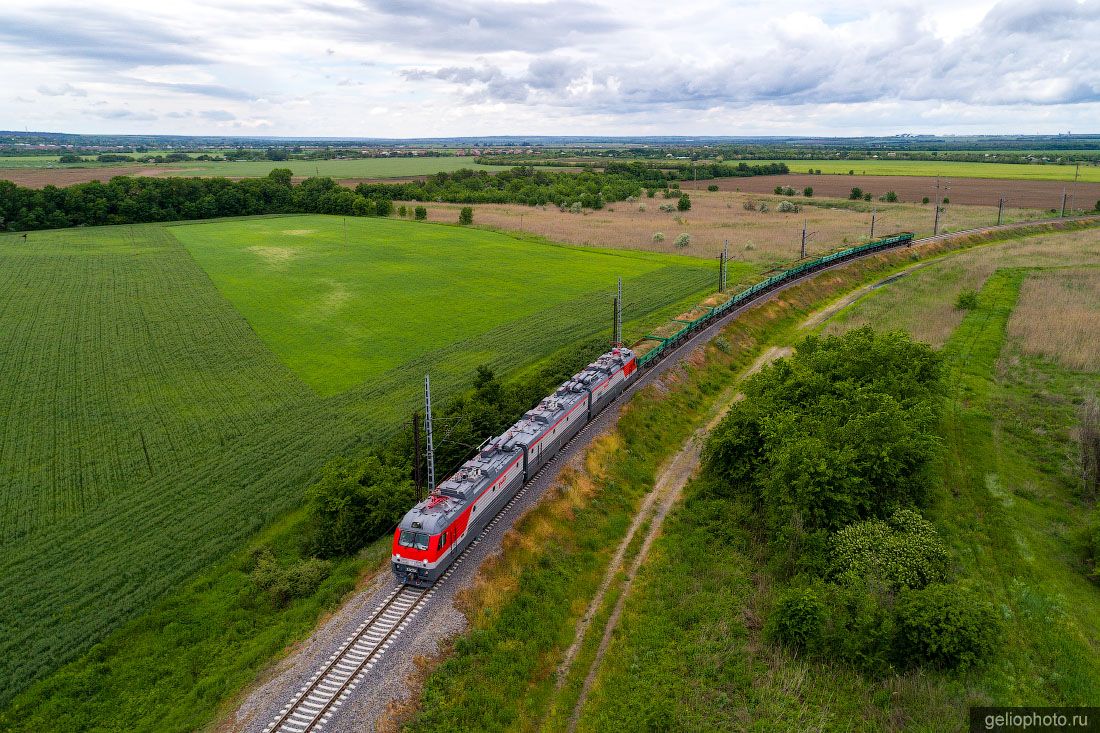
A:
436, 531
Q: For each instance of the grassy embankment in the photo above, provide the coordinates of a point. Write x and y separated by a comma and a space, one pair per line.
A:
527, 604
182, 434
691, 640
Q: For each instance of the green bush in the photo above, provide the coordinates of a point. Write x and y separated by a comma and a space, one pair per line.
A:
967, 300
684, 204
924, 200
903, 552
778, 190
354, 502
844, 430
798, 620
682, 241
945, 626
860, 629
402, 211
281, 584
808, 191
420, 213
466, 215
856, 193
712, 187
890, 197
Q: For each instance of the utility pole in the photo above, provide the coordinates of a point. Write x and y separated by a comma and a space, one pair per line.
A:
428, 430
418, 477
939, 204
1001, 210
874, 211
725, 258
617, 330
1063, 214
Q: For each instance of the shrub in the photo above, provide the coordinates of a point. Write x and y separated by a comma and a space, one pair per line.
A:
674, 185
70, 158
575, 207
650, 193
749, 205
903, 552
658, 237
924, 200
798, 620
844, 430
282, 584
466, 215
856, 193
817, 171
967, 300
383, 207
810, 171
684, 204
712, 187
778, 191
666, 208
788, 206
860, 629
945, 626
808, 191
420, 213
402, 210
682, 241
788, 191
642, 208
1092, 548
851, 172
866, 197
670, 194
1097, 208
354, 502
763, 206
890, 197
947, 201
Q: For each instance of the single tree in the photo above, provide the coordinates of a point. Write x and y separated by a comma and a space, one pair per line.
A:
420, 213
466, 215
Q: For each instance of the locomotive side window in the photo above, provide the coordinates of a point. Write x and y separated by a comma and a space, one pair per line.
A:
417, 540
442, 541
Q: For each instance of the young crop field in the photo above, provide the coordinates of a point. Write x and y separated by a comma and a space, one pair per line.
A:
341, 301
762, 239
38, 172
150, 430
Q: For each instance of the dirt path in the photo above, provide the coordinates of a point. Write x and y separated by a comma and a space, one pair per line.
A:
667, 490
670, 483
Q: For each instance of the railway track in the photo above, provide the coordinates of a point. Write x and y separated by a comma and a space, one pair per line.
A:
330, 686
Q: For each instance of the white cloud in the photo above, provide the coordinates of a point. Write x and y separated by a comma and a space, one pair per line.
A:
451, 67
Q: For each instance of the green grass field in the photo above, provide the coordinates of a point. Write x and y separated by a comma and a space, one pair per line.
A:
341, 301
149, 430
947, 168
362, 168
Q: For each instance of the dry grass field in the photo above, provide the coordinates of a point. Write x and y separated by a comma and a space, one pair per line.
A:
923, 302
764, 239
1058, 316
978, 191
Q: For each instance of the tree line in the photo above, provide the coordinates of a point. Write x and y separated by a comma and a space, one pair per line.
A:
133, 200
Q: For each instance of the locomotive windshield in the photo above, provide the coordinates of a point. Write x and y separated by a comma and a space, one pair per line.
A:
418, 540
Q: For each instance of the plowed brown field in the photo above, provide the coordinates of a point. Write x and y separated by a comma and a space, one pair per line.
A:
979, 191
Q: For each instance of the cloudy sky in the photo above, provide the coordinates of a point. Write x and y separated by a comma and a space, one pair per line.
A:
397, 68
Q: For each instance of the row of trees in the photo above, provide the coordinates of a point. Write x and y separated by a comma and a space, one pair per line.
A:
832, 450
130, 200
